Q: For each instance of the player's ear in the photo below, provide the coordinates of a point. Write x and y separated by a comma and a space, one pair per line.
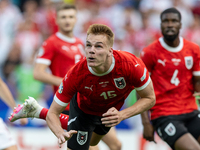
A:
110, 51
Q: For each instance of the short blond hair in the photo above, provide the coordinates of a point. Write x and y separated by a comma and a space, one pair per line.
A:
102, 29
65, 7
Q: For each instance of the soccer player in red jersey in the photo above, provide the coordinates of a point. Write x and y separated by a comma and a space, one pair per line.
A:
102, 82
59, 53
174, 65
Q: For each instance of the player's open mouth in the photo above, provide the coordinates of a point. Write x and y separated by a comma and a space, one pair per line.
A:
90, 58
170, 31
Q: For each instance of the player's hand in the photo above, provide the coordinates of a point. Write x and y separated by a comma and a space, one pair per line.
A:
148, 132
63, 137
197, 95
111, 118
23, 121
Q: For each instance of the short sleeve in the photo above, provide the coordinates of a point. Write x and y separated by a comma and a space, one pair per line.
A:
46, 53
66, 90
140, 76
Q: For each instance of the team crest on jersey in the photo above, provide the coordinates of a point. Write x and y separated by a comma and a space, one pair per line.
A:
82, 137
188, 62
60, 90
120, 82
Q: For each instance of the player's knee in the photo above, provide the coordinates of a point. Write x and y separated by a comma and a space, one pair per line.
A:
116, 146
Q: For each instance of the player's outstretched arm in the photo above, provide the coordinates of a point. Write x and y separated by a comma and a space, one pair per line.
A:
113, 117
53, 121
7, 97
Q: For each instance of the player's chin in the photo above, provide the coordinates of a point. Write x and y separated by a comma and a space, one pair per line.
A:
91, 64
67, 29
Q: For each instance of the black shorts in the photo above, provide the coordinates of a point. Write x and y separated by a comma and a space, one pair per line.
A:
85, 124
172, 127
66, 112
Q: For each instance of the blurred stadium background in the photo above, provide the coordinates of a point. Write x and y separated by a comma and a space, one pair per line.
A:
25, 24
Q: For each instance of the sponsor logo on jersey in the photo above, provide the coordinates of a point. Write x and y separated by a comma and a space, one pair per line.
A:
120, 82
104, 84
65, 48
188, 62
82, 137
170, 129
74, 48
162, 62
137, 64
90, 88
60, 90
176, 61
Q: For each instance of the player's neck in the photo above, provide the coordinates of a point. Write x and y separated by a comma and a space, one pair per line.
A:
68, 34
173, 43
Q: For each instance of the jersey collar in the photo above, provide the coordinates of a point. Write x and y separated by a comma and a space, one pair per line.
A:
65, 38
169, 48
105, 73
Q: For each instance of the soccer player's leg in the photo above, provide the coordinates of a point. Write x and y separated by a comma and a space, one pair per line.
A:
31, 109
190, 139
186, 141
173, 130
99, 132
193, 125
111, 140
84, 129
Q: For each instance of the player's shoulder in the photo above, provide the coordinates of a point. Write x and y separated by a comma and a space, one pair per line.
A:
52, 37
153, 46
124, 56
190, 44
50, 40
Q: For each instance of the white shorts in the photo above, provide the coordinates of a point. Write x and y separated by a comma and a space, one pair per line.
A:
6, 139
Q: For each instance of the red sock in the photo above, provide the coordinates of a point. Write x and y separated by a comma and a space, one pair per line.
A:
64, 121
43, 113
63, 118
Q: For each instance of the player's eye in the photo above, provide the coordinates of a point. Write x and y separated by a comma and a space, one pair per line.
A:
88, 45
98, 46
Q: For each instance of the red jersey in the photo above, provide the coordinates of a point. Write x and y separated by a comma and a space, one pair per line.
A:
99, 92
172, 70
60, 53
